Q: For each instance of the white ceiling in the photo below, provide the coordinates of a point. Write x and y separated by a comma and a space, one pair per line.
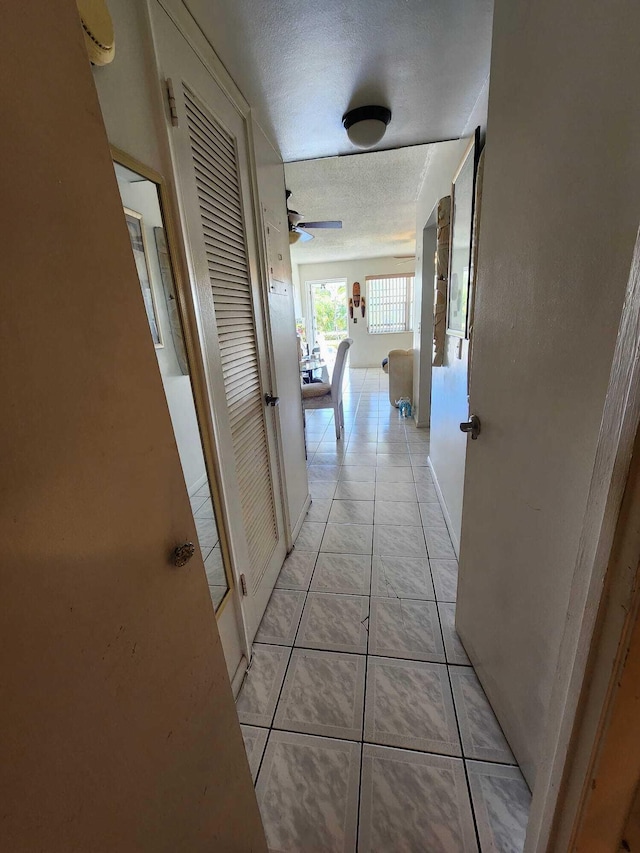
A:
374, 195
302, 65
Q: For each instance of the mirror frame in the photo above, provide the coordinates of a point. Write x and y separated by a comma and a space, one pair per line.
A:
197, 376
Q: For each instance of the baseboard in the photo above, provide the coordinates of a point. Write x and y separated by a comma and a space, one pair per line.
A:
301, 518
238, 676
443, 506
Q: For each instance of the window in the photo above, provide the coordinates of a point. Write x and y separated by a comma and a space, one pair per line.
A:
390, 303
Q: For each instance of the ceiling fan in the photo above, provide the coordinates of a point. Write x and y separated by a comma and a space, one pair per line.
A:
298, 230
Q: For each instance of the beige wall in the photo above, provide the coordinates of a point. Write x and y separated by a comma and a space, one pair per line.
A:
117, 724
561, 207
367, 350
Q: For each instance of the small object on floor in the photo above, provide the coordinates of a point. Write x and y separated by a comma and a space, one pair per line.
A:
404, 406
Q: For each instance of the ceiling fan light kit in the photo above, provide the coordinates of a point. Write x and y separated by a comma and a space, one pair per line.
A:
298, 228
366, 126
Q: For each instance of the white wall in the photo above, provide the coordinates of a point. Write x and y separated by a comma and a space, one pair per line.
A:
560, 212
282, 315
448, 386
367, 350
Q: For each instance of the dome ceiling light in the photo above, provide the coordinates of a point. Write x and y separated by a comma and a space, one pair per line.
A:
366, 126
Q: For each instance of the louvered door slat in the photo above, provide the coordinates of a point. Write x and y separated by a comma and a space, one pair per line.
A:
220, 249
215, 205
214, 228
216, 141
213, 173
218, 184
202, 120
202, 155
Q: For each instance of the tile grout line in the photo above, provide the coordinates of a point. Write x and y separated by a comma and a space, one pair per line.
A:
364, 691
339, 463
462, 751
284, 678
386, 746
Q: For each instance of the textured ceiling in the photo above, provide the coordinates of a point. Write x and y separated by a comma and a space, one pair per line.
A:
374, 195
301, 65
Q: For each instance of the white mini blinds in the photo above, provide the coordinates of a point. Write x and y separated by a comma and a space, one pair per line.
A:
389, 303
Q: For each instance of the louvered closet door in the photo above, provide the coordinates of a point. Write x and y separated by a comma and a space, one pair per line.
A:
217, 175
210, 152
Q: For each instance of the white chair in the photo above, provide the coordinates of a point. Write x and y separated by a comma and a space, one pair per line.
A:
322, 395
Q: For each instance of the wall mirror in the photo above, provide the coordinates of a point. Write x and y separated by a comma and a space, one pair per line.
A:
150, 233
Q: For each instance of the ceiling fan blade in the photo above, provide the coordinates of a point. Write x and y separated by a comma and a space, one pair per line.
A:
304, 235
336, 223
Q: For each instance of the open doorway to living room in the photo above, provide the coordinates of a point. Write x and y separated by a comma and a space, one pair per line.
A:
328, 315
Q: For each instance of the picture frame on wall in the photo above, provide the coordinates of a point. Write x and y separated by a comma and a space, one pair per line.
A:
141, 256
461, 240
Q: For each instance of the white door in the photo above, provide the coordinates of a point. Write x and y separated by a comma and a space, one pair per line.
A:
211, 157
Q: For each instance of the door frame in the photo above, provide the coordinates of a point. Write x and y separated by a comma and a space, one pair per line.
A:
593, 814
188, 28
311, 302
594, 572
187, 312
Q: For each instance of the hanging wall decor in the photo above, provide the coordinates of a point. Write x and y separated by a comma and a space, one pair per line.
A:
442, 276
363, 303
356, 294
351, 308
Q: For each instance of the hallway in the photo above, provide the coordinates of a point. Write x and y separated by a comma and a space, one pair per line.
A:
363, 720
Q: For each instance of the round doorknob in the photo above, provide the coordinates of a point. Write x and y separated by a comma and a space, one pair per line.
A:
183, 553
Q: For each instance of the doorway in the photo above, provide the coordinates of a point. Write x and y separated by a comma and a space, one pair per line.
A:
212, 166
328, 317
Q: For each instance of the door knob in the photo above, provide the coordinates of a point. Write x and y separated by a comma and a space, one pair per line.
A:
183, 553
271, 401
472, 426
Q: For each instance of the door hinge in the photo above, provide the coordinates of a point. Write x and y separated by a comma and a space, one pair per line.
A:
243, 585
173, 112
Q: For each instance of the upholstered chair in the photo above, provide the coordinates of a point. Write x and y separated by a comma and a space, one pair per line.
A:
399, 366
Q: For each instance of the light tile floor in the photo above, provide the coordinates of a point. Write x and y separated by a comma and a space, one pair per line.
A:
209, 542
365, 725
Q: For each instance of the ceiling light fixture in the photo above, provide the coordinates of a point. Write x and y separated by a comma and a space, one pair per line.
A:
366, 126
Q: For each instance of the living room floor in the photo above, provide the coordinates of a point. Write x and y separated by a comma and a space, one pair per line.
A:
364, 723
